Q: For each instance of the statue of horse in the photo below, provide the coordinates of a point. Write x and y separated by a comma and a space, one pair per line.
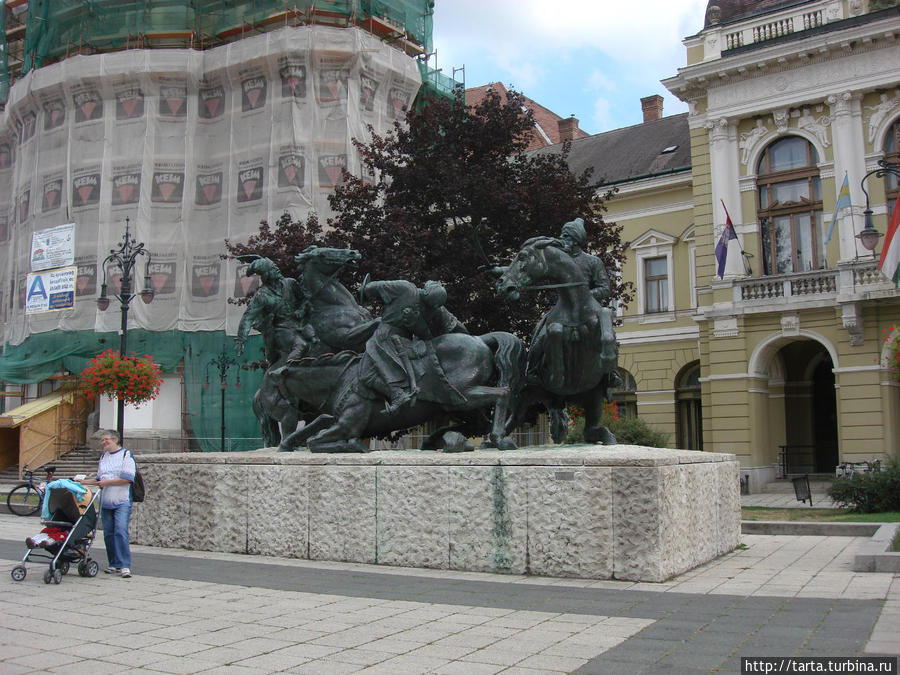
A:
569, 360
337, 320
486, 370
331, 315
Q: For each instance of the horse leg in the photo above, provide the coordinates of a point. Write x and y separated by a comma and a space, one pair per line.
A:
559, 422
298, 438
593, 404
523, 403
344, 434
268, 426
483, 397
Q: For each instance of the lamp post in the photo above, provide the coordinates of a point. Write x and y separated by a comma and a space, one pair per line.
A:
222, 363
125, 257
869, 236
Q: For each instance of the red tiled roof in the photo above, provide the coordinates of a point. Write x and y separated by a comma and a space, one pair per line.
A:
546, 121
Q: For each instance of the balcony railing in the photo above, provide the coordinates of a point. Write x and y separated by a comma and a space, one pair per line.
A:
849, 282
772, 30
762, 32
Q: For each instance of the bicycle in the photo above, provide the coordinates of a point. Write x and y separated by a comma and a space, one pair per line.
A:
25, 498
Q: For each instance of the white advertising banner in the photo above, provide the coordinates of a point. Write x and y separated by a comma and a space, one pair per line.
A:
50, 291
53, 247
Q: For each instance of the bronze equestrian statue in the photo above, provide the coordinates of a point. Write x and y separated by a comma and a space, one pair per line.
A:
573, 354
352, 376
366, 377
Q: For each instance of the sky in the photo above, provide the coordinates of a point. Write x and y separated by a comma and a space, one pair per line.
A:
594, 59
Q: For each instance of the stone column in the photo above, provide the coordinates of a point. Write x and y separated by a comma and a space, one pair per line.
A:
849, 155
723, 161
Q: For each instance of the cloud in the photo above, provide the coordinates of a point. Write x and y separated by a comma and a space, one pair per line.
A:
584, 56
600, 81
527, 27
601, 117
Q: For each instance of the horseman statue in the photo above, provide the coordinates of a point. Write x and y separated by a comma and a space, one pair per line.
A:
352, 377
274, 311
573, 354
411, 316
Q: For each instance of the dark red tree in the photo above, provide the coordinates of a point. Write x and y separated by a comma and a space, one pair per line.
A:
452, 192
280, 243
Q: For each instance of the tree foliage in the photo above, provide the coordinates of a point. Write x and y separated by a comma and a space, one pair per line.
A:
454, 180
445, 196
280, 243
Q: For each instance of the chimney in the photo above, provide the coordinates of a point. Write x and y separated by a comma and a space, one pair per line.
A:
567, 128
652, 107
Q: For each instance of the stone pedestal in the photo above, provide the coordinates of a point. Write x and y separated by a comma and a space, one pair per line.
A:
620, 512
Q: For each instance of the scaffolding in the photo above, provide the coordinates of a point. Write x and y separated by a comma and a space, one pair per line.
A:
37, 33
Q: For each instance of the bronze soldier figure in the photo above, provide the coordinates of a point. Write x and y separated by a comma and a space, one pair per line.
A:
274, 311
410, 315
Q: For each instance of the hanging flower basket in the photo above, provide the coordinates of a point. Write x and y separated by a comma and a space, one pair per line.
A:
134, 379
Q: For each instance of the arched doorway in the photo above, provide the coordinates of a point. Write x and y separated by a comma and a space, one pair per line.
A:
810, 409
689, 413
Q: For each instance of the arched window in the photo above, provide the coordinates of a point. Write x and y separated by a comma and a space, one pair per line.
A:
626, 397
688, 408
790, 207
892, 154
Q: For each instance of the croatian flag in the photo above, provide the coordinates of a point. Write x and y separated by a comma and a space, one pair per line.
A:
889, 264
722, 245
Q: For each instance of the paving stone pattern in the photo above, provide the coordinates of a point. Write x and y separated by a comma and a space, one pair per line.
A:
192, 612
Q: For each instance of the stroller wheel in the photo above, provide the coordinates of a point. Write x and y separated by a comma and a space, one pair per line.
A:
48, 577
57, 576
91, 568
64, 567
18, 572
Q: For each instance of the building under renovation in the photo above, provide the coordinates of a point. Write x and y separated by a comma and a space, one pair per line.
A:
193, 120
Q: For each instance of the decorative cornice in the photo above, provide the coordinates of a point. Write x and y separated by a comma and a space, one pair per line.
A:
694, 81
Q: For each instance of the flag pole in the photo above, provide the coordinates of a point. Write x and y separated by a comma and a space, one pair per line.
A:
744, 256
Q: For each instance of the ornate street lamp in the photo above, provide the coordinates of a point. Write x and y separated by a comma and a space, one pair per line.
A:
869, 236
125, 257
222, 363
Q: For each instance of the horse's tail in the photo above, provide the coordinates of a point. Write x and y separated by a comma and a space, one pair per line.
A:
509, 358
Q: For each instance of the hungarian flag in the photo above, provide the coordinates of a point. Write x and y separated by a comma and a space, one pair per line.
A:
722, 245
889, 264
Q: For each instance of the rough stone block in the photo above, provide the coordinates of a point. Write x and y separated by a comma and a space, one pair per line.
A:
488, 519
277, 511
342, 513
412, 527
570, 524
591, 512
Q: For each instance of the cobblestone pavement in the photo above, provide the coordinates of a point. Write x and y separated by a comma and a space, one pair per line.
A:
191, 612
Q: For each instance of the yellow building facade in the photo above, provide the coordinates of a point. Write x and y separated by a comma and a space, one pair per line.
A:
782, 359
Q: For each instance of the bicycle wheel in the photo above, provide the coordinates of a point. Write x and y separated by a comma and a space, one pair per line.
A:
23, 500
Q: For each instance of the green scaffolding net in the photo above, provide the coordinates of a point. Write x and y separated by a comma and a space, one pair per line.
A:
56, 29
193, 354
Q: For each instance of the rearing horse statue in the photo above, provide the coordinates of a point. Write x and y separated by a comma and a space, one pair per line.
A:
573, 356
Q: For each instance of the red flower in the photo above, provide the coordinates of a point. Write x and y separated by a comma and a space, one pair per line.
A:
131, 378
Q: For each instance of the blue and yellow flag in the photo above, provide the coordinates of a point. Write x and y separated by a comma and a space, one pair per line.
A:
843, 202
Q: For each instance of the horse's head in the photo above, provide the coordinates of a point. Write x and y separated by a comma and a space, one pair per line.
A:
529, 266
326, 260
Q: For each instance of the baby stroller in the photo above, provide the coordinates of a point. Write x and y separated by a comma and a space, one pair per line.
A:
80, 526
